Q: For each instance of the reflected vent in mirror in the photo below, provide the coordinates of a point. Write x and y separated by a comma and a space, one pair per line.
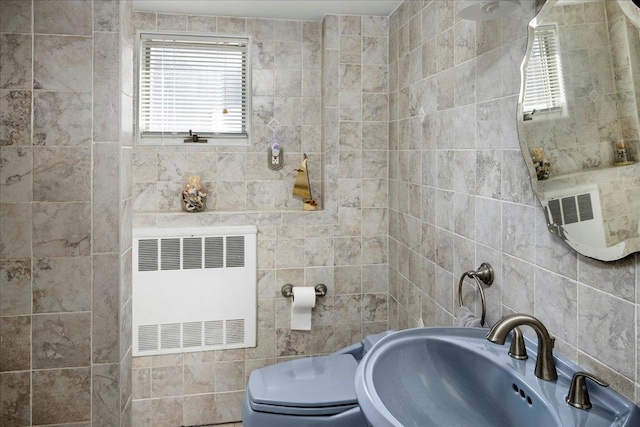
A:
585, 207
572, 209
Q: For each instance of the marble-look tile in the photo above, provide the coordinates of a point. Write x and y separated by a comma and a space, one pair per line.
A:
374, 307
518, 285
61, 285
15, 53
205, 24
106, 170
288, 253
167, 381
106, 15
556, 304
16, 165
63, 17
105, 409
616, 278
15, 230
517, 187
350, 49
288, 83
375, 26
489, 166
167, 412
612, 344
230, 25
374, 51
15, 398
15, 117
199, 378
105, 308
229, 376
318, 252
61, 396
16, 343
106, 87
169, 22
517, 223
62, 62
199, 410
61, 340
552, 253
289, 343
228, 406
16, 16
15, 287
62, 118
488, 222
61, 174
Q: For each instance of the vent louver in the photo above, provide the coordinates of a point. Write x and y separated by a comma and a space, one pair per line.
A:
213, 252
572, 209
192, 334
170, 336
148, 255
235, 331
170, 254
191, 253
147, 337
235, 251
213, 332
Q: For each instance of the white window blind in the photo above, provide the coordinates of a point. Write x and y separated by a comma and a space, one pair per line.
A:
544, 88
194, 83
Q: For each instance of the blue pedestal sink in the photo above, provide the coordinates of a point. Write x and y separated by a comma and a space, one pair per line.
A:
454, 377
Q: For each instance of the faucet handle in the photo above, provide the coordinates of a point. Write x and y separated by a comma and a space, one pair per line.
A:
518, 350
578, 396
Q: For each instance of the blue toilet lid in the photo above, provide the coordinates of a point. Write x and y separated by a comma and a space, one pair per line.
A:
311, 382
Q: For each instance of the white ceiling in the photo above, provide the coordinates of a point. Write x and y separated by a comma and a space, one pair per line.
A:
306, 10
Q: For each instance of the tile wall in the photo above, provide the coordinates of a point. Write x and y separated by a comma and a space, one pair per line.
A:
456, 173
65, 139
286, 67
344, 246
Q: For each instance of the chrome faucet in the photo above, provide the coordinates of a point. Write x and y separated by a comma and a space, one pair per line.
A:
545, 366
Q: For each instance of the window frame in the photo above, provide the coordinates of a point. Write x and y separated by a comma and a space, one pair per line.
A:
212, 138
552, 112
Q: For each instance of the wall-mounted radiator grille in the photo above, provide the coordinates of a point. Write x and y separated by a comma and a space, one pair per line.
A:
578, 210
194, 289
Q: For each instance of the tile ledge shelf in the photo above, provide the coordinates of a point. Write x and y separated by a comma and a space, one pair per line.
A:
164, 219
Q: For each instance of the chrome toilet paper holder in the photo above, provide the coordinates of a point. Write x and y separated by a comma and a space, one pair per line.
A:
287, 290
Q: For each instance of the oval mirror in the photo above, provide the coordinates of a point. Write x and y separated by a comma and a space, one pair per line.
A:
578, 122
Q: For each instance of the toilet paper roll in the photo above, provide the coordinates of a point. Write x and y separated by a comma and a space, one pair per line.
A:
304, 299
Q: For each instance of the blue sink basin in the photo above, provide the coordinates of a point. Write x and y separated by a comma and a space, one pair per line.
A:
455, 377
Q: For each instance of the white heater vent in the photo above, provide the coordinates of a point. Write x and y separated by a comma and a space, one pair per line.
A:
578, 210
194, 290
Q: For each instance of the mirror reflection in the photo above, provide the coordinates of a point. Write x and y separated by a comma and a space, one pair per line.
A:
578, 121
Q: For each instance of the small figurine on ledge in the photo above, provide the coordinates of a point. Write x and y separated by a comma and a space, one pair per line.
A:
541, 163
193, 196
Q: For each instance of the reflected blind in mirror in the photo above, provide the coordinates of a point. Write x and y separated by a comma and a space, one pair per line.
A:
197, 83
544, 88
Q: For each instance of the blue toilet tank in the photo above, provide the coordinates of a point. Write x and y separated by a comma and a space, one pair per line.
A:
309, 392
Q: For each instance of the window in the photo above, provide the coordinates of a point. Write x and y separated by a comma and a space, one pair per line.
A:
544, 88
194, 83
